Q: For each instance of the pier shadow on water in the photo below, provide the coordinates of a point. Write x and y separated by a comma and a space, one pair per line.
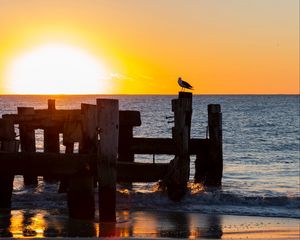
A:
41, 223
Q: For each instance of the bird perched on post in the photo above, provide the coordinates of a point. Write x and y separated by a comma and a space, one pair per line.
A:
184, 84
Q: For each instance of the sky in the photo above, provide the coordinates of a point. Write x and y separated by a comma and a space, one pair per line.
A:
143, 46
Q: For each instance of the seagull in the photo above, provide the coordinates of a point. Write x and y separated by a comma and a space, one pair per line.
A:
184, 84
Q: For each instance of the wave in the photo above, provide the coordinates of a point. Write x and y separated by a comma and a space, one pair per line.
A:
212, 201
148, 197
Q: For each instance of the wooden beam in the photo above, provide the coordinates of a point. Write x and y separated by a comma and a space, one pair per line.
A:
141, 172
153, 146
44, 163
45, 118
165, 146
130, 118
125, 142
71, 164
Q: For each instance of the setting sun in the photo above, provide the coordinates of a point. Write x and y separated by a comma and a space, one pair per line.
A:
56, 69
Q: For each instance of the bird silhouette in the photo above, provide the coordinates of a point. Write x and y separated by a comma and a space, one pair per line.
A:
184, 84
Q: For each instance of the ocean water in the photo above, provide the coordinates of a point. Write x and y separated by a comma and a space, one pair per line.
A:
261, 136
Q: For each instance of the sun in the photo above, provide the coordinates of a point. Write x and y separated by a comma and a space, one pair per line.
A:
56, 68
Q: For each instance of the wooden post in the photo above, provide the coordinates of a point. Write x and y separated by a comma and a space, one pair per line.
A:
108, 125
51, 140
209, 162
71, 134
88, 143
216, 148
202, 166
27, 140
51, 137
8, 144
51, 105
179, 170
188, 113
128, 120
125, 141
81, 187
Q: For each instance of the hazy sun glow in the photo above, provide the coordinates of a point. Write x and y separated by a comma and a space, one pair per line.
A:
56, 69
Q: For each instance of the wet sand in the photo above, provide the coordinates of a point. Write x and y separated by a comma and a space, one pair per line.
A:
144, 224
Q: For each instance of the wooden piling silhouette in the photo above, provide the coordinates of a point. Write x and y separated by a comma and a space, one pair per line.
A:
8, 144
27, 140
107, 152
179, 169
81, 185
209, 162
216, 148
128, 120
51, 138
51, 134
108, 127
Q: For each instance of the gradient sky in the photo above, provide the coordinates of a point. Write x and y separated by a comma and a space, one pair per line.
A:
219, 46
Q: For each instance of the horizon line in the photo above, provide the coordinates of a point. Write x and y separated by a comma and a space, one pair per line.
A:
150, 94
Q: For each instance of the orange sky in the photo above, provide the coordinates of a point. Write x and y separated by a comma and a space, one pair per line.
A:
220, 47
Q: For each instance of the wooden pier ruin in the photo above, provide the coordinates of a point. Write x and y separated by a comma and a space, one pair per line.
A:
107, 152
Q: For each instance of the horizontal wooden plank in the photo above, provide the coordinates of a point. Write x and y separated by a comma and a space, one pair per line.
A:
165, 146
43, 114
44, 118
141, 172
44, 163
69, 164
130, 118
153, 146
197, 145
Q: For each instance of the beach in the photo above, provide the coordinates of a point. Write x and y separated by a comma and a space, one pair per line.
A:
150, 224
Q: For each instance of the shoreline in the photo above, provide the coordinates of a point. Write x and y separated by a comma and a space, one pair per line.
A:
151, 225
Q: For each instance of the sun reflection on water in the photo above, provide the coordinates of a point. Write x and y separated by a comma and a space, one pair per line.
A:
26, 224
144, 224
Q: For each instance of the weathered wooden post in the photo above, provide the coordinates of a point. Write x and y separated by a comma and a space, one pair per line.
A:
81, 186
51, 134
51, 137
8, 144
27, 140
179, 170
88, 143
128, 120
202, 166
125, 140
51, 105
209, 162
216, 147
188, 112
108, 126
70, 135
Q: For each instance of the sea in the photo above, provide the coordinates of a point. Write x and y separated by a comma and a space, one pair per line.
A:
261, 141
